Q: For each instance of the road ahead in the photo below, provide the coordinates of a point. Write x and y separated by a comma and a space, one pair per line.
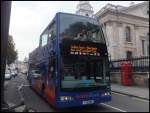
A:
119, 103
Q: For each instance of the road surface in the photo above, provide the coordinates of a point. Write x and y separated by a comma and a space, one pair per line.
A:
119, 103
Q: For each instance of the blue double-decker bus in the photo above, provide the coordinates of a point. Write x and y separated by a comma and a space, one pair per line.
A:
70, 67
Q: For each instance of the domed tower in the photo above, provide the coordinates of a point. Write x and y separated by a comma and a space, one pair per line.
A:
84, 8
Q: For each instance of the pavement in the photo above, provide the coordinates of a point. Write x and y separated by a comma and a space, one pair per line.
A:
139, 92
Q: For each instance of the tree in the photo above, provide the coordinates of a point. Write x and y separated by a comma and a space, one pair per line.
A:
11, 52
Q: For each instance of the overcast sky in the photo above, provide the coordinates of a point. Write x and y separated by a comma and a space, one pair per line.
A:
29, 18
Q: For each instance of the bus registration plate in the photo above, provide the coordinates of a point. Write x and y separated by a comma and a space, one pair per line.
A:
88, 102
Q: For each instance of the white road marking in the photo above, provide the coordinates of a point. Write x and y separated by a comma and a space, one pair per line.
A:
23, 85
113, 107
119, 94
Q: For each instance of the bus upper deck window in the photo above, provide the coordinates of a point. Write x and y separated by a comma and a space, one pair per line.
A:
52, 31
44, 38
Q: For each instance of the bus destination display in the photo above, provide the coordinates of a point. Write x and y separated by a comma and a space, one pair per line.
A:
83, 50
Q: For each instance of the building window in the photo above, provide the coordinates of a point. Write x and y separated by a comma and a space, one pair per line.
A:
128, 54
128, 34
44, 38
143, 48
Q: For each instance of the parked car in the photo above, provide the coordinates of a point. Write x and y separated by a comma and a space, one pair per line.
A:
7, 76
14, 73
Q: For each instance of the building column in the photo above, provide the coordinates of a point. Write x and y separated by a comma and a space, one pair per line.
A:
121, 40
115, 42
109, 33
137, 41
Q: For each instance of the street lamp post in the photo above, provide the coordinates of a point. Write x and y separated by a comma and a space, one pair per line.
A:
5, 20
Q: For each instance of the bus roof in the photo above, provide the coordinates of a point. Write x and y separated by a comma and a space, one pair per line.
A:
67, 14
77, 15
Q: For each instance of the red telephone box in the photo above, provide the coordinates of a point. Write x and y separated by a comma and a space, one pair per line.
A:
126, 74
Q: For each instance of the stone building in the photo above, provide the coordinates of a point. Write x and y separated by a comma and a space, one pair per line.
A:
127, 35
126, 28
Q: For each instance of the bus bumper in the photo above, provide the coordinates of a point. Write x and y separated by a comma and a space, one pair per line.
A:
77, 103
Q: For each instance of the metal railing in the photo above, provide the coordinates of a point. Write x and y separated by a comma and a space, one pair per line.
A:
139, 64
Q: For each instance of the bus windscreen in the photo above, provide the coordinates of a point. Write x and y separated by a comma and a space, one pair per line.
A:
80, 28
83, 65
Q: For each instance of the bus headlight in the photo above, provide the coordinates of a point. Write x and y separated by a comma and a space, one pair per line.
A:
106, 94
66, 98
62, 98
